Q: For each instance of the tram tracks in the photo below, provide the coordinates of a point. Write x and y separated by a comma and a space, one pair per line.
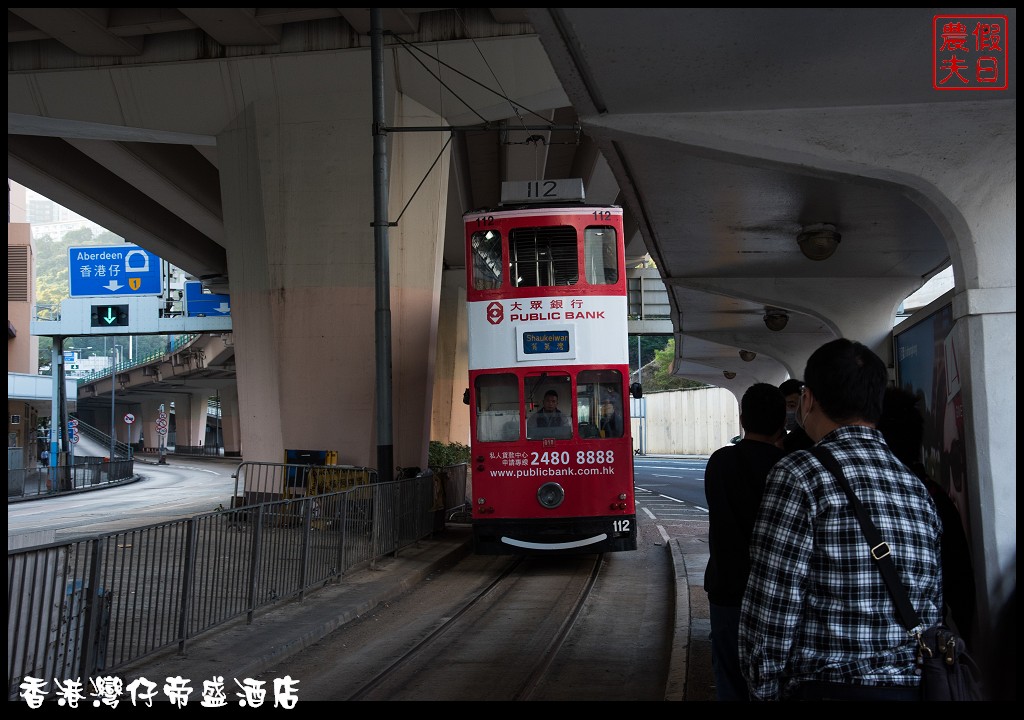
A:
588, 627
502, 641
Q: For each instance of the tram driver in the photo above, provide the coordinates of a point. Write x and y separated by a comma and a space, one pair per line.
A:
549, 421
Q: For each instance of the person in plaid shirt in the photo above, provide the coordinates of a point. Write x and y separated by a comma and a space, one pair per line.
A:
817, 621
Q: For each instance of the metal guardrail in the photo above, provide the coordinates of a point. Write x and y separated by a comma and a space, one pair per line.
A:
176, 343
450, 491
259, 481
94, 433
86, 473
93, 606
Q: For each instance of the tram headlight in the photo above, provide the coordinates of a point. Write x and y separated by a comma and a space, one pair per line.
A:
550, 495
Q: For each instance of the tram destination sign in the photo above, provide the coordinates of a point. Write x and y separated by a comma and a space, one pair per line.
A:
105, 271
549, 341
542, 191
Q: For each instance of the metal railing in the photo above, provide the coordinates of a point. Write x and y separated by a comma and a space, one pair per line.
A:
451, 490
94, 433
194, 450
99, 604
85, 473
174, 343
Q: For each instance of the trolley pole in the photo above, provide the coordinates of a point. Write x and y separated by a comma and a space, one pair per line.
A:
385, 443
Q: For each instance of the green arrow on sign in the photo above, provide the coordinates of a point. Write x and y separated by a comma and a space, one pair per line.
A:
109, 315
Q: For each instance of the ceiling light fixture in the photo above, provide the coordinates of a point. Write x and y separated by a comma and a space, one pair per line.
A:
775, 319
747, 355
818, 241
729, 374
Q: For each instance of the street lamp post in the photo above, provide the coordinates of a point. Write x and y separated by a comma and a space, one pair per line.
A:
216, 437
113, 386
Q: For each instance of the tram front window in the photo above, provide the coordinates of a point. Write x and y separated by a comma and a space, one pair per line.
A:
600, 392
548, 407
497, 407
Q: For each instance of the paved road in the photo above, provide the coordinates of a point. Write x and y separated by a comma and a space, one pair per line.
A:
185, 486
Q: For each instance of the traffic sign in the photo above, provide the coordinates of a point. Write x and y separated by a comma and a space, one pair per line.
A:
129, 418
200, 304
115, 270
73, 423
161, 431
74, 438
109, 316
161, 415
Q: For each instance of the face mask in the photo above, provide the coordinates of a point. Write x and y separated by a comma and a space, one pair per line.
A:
791, 423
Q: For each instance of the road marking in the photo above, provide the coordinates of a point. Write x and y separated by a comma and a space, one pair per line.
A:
197, 469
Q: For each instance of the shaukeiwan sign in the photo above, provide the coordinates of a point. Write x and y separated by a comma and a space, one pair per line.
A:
115, 270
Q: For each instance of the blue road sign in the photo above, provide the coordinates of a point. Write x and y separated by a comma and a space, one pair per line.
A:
117, 270
200, 304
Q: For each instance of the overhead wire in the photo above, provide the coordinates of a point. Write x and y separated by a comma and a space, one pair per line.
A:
514, 106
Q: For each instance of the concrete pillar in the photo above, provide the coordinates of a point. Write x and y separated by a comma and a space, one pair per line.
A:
182, 420
297, 191
200, 417
450, 421
985, 350
147, 424
229, 426
417, 246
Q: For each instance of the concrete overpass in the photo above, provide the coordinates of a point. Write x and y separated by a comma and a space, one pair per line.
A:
236, 143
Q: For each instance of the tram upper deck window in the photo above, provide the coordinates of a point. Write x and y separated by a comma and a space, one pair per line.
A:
543, 257
600, 256
486, 246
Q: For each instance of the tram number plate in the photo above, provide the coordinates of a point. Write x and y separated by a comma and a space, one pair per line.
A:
621, 526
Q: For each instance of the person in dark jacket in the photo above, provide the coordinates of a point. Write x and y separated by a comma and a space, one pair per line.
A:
733, 483
902, 425
795, 437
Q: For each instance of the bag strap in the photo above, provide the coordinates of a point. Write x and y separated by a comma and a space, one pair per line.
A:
880, 550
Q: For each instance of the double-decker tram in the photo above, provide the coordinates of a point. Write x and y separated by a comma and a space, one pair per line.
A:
551, 445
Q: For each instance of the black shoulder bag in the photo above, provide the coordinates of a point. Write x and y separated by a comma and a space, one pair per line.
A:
947, 671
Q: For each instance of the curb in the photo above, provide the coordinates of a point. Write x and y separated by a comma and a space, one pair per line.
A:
675, 684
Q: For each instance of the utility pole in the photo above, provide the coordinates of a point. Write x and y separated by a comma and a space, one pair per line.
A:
385, 443
113, 385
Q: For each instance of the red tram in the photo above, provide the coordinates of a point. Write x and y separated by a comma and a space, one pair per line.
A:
551, 446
